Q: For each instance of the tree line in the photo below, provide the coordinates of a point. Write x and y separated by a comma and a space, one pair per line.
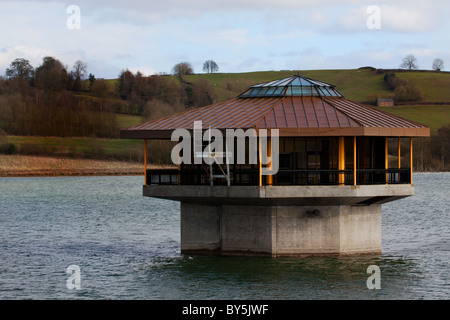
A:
53, 100
46, 101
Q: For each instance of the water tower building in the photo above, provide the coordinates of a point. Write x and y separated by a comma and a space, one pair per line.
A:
338, 162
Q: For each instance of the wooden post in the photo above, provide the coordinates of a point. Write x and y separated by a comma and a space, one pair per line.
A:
354, 161
411, 158
145, 161
399, 154
386, 155
269, 151
260, 163
341, 160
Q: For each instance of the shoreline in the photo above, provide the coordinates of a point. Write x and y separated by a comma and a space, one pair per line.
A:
16, 166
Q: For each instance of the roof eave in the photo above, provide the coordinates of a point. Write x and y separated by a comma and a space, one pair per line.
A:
300, 132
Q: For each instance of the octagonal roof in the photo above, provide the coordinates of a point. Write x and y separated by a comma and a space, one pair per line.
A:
297, 106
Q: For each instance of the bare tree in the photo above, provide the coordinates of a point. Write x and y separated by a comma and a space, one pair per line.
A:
183, 68
409, 62
210, 66
438, 64
79, 69
78, 74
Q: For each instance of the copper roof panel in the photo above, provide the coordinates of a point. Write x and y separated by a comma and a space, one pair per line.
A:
370, 117
298, 115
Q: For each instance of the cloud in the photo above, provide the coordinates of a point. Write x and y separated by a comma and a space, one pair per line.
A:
32, 54
151, 36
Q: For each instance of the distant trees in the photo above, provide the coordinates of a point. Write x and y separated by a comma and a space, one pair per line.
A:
125, 83
20, 69
409, 62
210, 66
51, 75
77, 75
45, 105
438, 64
404, 90
182, 69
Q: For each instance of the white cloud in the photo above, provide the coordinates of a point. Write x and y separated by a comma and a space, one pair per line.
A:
32, 54
151, 36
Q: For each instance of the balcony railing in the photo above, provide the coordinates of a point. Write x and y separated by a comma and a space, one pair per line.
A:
250, 177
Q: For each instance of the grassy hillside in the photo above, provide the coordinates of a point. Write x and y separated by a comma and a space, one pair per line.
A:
435, 85
434, 116
357, 85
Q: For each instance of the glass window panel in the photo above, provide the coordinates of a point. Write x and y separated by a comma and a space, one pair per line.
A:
322, 91
289, 145
296, 91
296, 82
262, 92
245, 94
278, 91
313, 161
305, 83
307, 91
327, 91
313, 145
254, 92
270, 91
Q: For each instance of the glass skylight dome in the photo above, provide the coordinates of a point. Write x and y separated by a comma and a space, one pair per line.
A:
297, 85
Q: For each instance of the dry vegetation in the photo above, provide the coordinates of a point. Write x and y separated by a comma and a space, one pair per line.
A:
26, 166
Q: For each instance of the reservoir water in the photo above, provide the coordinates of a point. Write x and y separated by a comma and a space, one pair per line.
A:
128, 247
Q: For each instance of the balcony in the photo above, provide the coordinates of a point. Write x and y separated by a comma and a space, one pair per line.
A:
251, 177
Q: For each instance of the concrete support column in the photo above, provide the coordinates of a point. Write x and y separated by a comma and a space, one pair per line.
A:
280, 230
200, 228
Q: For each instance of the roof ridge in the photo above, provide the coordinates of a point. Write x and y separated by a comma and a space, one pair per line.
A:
326, 99
274, 105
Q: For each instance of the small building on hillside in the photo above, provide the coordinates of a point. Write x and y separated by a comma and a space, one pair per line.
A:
385, 102
324, 198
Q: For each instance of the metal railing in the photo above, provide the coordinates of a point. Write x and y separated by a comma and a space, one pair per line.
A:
250, 177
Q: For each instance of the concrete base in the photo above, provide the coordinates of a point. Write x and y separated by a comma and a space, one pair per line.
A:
280, 230
281, 220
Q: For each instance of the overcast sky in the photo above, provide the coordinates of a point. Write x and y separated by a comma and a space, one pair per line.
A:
240, 35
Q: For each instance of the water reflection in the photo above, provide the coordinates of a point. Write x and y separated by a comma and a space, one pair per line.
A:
282, 278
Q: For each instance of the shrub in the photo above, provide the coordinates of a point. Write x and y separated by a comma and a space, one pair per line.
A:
408, 92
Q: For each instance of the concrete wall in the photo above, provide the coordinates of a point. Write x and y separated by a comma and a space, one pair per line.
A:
280, 230
200, 228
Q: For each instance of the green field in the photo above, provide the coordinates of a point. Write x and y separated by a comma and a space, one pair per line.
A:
126, 120
75, 146
435, 85
434, 116
355, 84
